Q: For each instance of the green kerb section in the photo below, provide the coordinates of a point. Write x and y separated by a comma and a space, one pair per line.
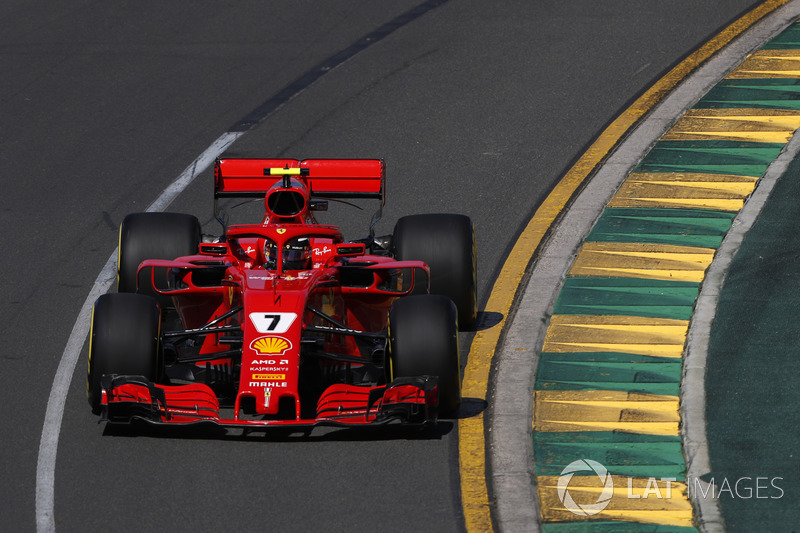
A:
780, 94
631, 377
680, 227
623, 454
635, 454
710, 157
789, 39
627, 297
613, 371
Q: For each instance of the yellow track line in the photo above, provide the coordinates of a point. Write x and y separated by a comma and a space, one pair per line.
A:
472, 446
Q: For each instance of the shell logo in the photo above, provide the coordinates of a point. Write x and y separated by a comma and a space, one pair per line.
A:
271, 345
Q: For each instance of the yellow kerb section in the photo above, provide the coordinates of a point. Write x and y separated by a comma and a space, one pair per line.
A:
769, 64
750, 125
647, 500
624, 411
724, 192
660, 337
639, 260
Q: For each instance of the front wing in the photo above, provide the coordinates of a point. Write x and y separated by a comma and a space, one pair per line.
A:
411, 401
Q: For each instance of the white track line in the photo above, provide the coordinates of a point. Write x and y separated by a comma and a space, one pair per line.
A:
48, 445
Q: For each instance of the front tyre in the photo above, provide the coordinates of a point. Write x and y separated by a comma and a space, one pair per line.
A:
446, 242
423, 340
124, 340
145, 236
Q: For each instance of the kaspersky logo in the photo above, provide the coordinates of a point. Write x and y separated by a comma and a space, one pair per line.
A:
585, 509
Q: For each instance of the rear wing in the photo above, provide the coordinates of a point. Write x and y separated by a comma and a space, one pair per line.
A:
325, 178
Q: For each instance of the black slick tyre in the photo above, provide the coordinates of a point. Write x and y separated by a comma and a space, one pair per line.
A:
145, 236
124, 340
446, 242
423, 340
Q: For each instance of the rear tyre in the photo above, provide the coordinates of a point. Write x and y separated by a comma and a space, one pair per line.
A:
423, 340
446, 243
145, 236
124, 340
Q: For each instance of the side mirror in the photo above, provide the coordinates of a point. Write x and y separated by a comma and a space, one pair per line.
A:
350, 249
214, 248
318, 205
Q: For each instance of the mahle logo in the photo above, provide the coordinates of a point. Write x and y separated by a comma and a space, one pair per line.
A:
585, 509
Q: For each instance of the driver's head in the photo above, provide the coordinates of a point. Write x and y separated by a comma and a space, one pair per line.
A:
270, 251
297, 255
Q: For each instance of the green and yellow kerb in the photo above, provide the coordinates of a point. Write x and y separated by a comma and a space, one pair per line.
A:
608, 382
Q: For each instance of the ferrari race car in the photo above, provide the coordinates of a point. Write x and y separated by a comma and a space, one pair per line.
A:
283, 322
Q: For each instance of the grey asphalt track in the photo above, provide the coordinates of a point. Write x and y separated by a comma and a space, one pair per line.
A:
477, 107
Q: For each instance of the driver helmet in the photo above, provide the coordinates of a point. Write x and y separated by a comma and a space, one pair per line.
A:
270, 255
297, 255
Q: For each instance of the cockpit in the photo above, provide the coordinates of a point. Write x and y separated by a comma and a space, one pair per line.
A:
296, 254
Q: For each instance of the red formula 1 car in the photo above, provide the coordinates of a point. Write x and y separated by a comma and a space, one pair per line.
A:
283, 322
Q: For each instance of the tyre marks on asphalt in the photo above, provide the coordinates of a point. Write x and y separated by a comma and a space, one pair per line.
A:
608, 382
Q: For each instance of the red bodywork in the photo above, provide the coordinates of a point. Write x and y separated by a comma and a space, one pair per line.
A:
273, 346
